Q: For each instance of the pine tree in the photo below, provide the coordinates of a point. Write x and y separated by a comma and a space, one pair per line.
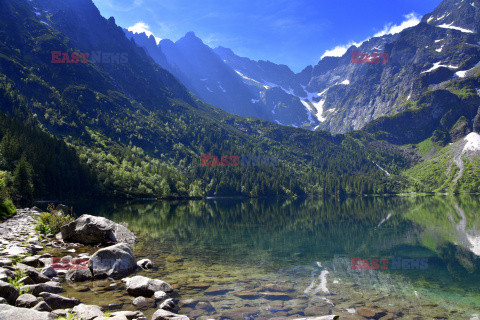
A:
22, 181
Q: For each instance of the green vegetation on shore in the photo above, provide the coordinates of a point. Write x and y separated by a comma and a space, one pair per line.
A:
6, 205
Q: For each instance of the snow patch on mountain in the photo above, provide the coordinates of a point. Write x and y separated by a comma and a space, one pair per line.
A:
437, 65
473, 142
346, 82
463, 73
450, 26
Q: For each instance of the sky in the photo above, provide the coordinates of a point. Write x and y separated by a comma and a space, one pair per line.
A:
297, 33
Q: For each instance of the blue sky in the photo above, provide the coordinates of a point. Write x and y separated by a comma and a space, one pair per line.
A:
293, 32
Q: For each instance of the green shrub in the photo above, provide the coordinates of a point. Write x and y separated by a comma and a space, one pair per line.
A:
52, 221
6, 205
15, 281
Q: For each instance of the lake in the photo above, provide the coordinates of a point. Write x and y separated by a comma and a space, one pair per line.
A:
366, 257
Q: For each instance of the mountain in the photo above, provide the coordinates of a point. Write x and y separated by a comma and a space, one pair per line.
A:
141, 132
211, 77
444, 45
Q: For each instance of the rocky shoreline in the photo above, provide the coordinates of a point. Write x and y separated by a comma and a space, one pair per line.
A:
30, 281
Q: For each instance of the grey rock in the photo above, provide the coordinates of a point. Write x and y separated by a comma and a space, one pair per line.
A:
140, 301
56, 301
9, 312
143, 286
6, 262
33, 261
6, 274
9, 292
26, 280
50, 287
205, 305
32, 273
114, 261
145, 264
130, 315
329, 317
15, 250
49, 272
159, 295
79, 275
42, 306
117, 317
26, 301
91, 230
161, 314
87, 312
61, 313
168, 305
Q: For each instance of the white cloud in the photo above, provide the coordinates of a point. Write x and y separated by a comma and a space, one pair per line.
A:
339, 51
142, 27
411, 19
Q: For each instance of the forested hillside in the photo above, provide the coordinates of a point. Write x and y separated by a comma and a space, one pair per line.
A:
140, 132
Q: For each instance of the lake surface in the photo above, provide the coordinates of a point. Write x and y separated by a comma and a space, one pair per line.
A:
291, 258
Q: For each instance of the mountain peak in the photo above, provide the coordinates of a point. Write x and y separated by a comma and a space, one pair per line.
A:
190, 34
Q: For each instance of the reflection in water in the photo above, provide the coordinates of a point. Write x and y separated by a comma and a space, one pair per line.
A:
307, 244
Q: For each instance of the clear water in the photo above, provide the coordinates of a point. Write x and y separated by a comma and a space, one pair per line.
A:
291, 258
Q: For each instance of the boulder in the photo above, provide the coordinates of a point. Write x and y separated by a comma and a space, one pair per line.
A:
6, 274
5, 262
159, 295
32, 273
50, 287
115, 261
9, 312
27, 300
79, 275
87, 312
56, 301
143, 286
42, 306
330, 317
140, 301
49, 272
161, 314
32, 261
168, 305
26, 280
93, 230
145, 264
117, 317
8, 291
130, 315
